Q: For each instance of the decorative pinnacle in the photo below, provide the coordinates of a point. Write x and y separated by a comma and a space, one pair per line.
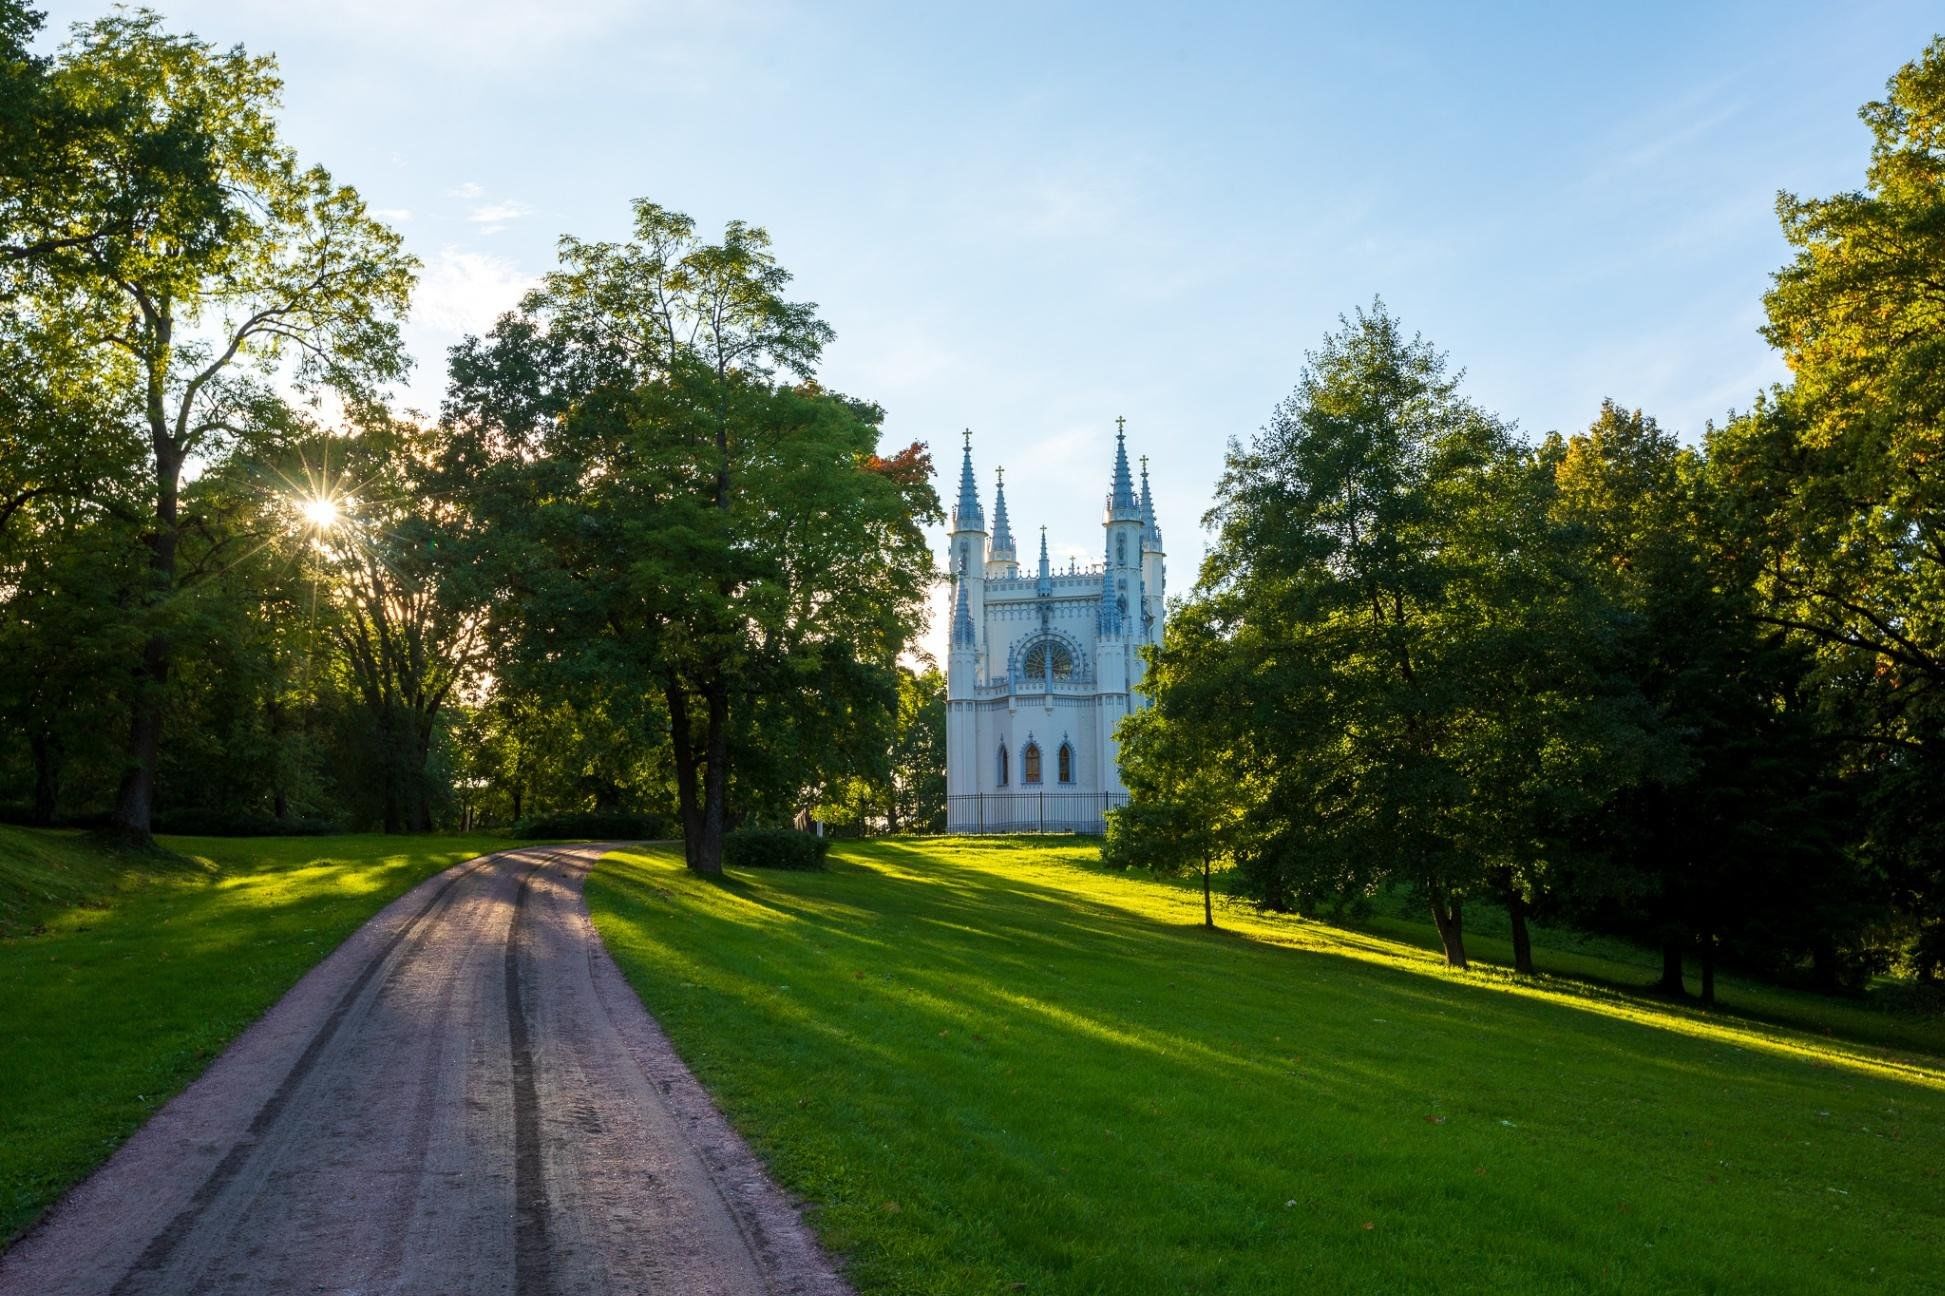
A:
968, 516
1121, 499
1151, 535
963, 634
1002, 527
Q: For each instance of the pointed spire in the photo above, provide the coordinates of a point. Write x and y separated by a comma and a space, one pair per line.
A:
1121, 500
968, 516
1109, 619
963, 635
1151, 535
1044, 572
1002, 528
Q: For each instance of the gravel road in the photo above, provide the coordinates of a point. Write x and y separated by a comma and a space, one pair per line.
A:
465, 1097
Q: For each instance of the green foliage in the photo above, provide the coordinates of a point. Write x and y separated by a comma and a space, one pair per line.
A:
1837, 483
591, 826
645, 487
220, 822
774, 848
904, 790
985, 1065
1345, 661
172, 249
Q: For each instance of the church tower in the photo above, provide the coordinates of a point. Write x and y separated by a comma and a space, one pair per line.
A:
969, 561
1120, 618
1001, 562
1043, 660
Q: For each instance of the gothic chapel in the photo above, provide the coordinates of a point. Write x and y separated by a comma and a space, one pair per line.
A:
1042, 666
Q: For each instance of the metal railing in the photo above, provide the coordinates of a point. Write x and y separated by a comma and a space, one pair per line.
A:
1032, 812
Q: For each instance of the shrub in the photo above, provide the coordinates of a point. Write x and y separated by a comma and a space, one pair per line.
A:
592, 824
777, 848
205, 822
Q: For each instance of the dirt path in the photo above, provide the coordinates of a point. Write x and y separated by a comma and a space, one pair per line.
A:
464, 1098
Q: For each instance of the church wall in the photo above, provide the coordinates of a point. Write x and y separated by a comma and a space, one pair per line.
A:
1004, 611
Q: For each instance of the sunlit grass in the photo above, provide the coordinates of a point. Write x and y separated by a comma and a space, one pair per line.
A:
141, 968
986, 1064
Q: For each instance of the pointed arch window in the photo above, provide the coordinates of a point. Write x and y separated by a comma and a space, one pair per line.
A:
1066, 762
1030, 763
1002, 781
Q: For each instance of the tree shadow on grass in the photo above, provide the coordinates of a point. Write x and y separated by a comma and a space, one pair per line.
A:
979, 921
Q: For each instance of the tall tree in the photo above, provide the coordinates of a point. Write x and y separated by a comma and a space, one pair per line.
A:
1727, 784
408, 620
1183, 813
1840, 478
228, 266
1337, 604
683, 504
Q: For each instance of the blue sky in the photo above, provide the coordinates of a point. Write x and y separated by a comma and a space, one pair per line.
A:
1028, 219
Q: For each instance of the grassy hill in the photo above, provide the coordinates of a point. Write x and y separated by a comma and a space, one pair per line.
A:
990, 1068
123, 974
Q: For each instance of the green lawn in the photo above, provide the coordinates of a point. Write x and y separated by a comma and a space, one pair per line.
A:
993, 1069
122, 976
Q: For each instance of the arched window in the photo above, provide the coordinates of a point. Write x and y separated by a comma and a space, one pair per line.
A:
1047, 659
1030, 763
1002, 765
1066, 763
1121, 551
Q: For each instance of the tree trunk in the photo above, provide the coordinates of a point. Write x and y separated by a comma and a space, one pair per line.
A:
1708, 969
519, 795
682, 742
134, 813
1671, 967
715, 782
1823, 966
420, 786
1208, 907
273, 714
1448, 916
1522, 939
47, 776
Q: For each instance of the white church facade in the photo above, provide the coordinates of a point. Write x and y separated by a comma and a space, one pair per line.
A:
1043, 662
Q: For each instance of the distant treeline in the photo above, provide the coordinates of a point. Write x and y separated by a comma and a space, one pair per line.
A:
1695, 694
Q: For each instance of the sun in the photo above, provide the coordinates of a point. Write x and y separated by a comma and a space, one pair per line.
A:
320, 513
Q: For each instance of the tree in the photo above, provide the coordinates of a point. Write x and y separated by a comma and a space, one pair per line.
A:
1183, 812
228, 265
915, 789
1334, 618
408, 624
687, 519
1725, 793
1840, 477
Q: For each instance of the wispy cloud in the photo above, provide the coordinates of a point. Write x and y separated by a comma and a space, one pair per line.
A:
493, 217
393, 215
467, 190
1663, 138
464, 292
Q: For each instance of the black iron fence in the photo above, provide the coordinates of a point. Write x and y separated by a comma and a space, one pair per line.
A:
1032, 812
